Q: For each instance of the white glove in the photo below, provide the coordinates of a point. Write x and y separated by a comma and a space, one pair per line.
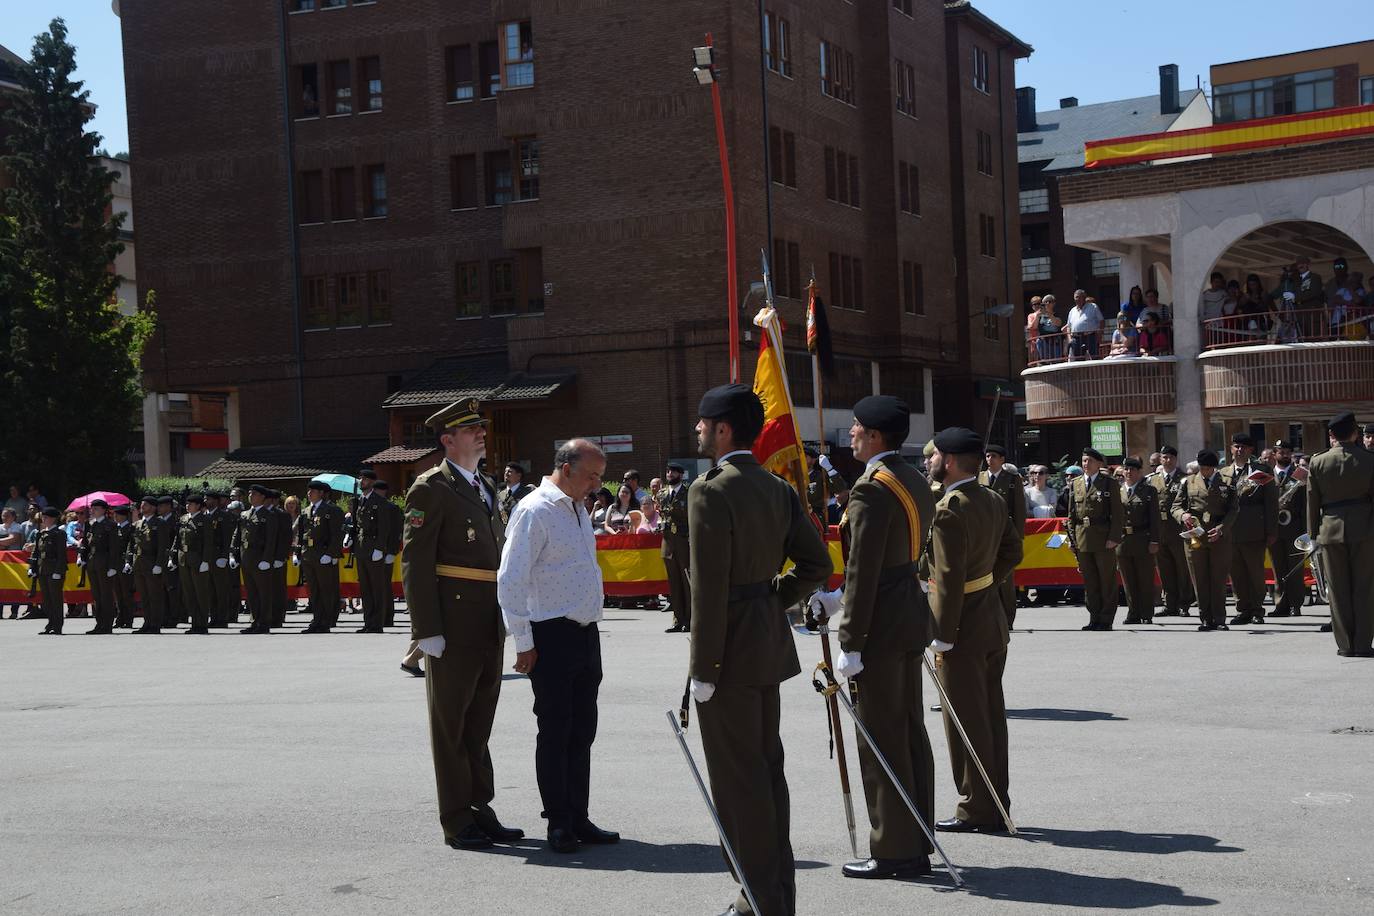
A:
276, 564
326, 559
702, 691
80, 561
233, 563
264, 566
850, 664
295, 560
376, 555
825, 603
925, 586
432, 646
389, 559
939, 645
222, 562
128, 569
204, 567
157, 570
109, 573
348, 540
57, 576
824, 461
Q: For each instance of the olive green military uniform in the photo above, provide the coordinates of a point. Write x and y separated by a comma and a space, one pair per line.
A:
1340, 519
820, 486
193, 548
374, 536
972, 548
103, 561
257, 548
150, 549
281, 566
510, 496
1172, 558
323, 528
1012, 488
1096, 517
745, 523
1256, 527
125, 605
1290, 582
395, 527
1211, 503
448, 569
50, 559
672, 502
171, 579
885, 617
224, 577
1140, 505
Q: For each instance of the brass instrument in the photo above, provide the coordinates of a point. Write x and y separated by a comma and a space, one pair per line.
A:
1313, 550
1290, 493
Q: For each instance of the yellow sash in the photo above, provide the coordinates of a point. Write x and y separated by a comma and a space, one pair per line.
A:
465, 572
913, 514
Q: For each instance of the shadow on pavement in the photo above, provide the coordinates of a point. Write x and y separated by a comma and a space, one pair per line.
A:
630, 855
1064, 889
1065, 715
1124, 841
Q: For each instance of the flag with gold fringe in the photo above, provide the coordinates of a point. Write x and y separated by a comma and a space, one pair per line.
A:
779, 447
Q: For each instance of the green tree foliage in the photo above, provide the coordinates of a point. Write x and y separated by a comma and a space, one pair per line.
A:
70, 381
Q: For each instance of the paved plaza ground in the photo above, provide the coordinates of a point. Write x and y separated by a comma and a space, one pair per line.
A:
1152, 768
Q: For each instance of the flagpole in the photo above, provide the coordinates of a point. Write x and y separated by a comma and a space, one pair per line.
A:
732, 281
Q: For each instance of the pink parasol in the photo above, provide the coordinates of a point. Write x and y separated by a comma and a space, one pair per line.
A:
84, 502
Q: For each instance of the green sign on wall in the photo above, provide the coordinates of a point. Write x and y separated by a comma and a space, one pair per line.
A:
1109, 437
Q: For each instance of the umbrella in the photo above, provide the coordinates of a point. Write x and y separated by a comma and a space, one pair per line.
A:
84, 502
341, 483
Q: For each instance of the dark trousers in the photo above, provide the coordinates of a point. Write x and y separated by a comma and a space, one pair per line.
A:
51, 589
676, 551
1209, 566
1006, 593
281, 599
374, 589
126, 607
198, 596
1349, 572
973, 679
1173, 572
744, 760
103, 596
153, 595
1138, 576
1290, 583
1098, 568
462, 688
890, 707
226, 596
1247, 577
566, 677
323, 582
258, 584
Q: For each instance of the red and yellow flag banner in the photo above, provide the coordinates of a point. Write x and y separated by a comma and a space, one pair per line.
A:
779, 446
1285, 130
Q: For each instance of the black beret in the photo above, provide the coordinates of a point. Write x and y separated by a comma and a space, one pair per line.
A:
725, 401
123, 510
811, 451
674, 466
319, 485
1340, 418
52, 512
381, 485
275, 494
995, 450
1282, 443
100, 502
1133, 462
958, 440
196, 498
1207, 459
150, 500
1169, 450
1243, 439
1369, 429
1094, 454
884, 413
166, 498
367, 474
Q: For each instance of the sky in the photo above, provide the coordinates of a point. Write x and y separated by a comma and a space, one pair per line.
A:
1097, 50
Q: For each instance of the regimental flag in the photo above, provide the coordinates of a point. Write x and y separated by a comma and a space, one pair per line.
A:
779, 447
818, 330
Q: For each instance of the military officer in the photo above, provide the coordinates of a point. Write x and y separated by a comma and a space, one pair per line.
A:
147, 557
1369, 437
1096, 519
515, 488
50, 568
1340, 519
972, 549
322, 525
822, 482
125, 606
175, 612
193, 555
745, 524
1207, 507
1290, 583
1006, 483
370, 537
103, 560
1135, 555
286, 532
257, 548
225, 587
1172, 557
883, 627
393, 523
453, 540
672, 510
1256, 527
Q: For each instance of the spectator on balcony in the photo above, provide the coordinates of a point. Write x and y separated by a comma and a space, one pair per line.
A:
1339, 274
1040, 496
1347, 301
1032, 327
1134, 306
1153, 340
1124, 342
1311, 299
1084, 326
1152, 304
1283, 319
1048, 330
1213, 298
17, 503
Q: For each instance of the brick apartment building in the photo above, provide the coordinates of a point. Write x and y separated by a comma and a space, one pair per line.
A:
354, 211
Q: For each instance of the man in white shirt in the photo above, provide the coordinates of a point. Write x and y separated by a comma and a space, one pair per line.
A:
1213, 298
549, 586
1084, 326
1040, 497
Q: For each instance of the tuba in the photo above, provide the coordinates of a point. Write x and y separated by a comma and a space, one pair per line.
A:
1313, 550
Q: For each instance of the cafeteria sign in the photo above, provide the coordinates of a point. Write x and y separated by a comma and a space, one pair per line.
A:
1108, 437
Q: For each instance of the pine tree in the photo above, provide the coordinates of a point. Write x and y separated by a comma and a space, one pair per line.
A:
70, 383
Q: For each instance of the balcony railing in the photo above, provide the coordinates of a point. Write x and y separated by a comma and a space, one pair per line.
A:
1066, 346
1289, 326
1084, 389
1314, 372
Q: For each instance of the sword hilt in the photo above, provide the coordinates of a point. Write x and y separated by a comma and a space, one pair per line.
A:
827, 687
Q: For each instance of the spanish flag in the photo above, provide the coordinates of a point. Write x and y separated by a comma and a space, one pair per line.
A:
779, 447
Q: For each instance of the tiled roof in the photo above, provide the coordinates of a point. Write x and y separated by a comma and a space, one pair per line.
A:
400, 454
485, 378
1061, 132
293, 461
523, 386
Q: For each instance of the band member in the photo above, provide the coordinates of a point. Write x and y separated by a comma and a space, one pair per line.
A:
149, 553
370, 538
1172, 557
1135, 556
257, 548
672, 510
1340, 519
1255, 530
321, 525
1291, 482
1006, 483
193, 565
1096, 518
1206, 507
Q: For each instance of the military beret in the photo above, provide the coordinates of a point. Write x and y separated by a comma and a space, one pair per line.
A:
1243, 439
166, 499
958, 440
381, 485
1369, 429
100, 502
196, 498
1094, 454
150, 500
123, 510
275, 494
725, 401
457, 415
1338, 419
1169, 450
1133, 462
52, 512
674, 466
995, 450
810, 450
884, 413
367, 474
260, 489
1282, 443
318, 485
1073, 470
1207, 459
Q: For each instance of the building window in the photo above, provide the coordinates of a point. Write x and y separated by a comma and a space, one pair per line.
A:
782, 157
770, 60
1033, 269
980, 69
379, 297
345, 198
902, 6
503, 287
785, 47
348, 300
370, 71
846, 282
1314, 90
489, 69
311, 194
333, 4
315, 303
904, 87
984, 140
308, 91
376, 192
841, 177
458, 66
1106, 265
786, 269
909, 188
527, 152
1035, 200
499, 191
1367, 90
992, 325
837, 73
517, 54
463, 182
302, 6
777, 43
987, 235
913, 289
468, 282
340, 88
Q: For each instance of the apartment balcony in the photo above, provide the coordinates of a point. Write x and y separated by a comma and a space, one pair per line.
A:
1296, 375
1085, 389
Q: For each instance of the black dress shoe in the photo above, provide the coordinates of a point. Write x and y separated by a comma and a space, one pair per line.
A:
1091, 626
149, 631
46, 631
1131, 621
1281, 613
1241, 620
1324, 628
414, 670
100, 631
676, 629
470, 837
1222, 626
587, 832
958, 825
887, 868
487, 821
1206, 628
561, 839
198, 631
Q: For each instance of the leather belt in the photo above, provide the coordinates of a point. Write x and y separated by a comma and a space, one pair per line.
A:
470, 573
750, 592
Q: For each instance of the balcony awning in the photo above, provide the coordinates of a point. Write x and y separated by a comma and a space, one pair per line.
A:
293, 462
485, 378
